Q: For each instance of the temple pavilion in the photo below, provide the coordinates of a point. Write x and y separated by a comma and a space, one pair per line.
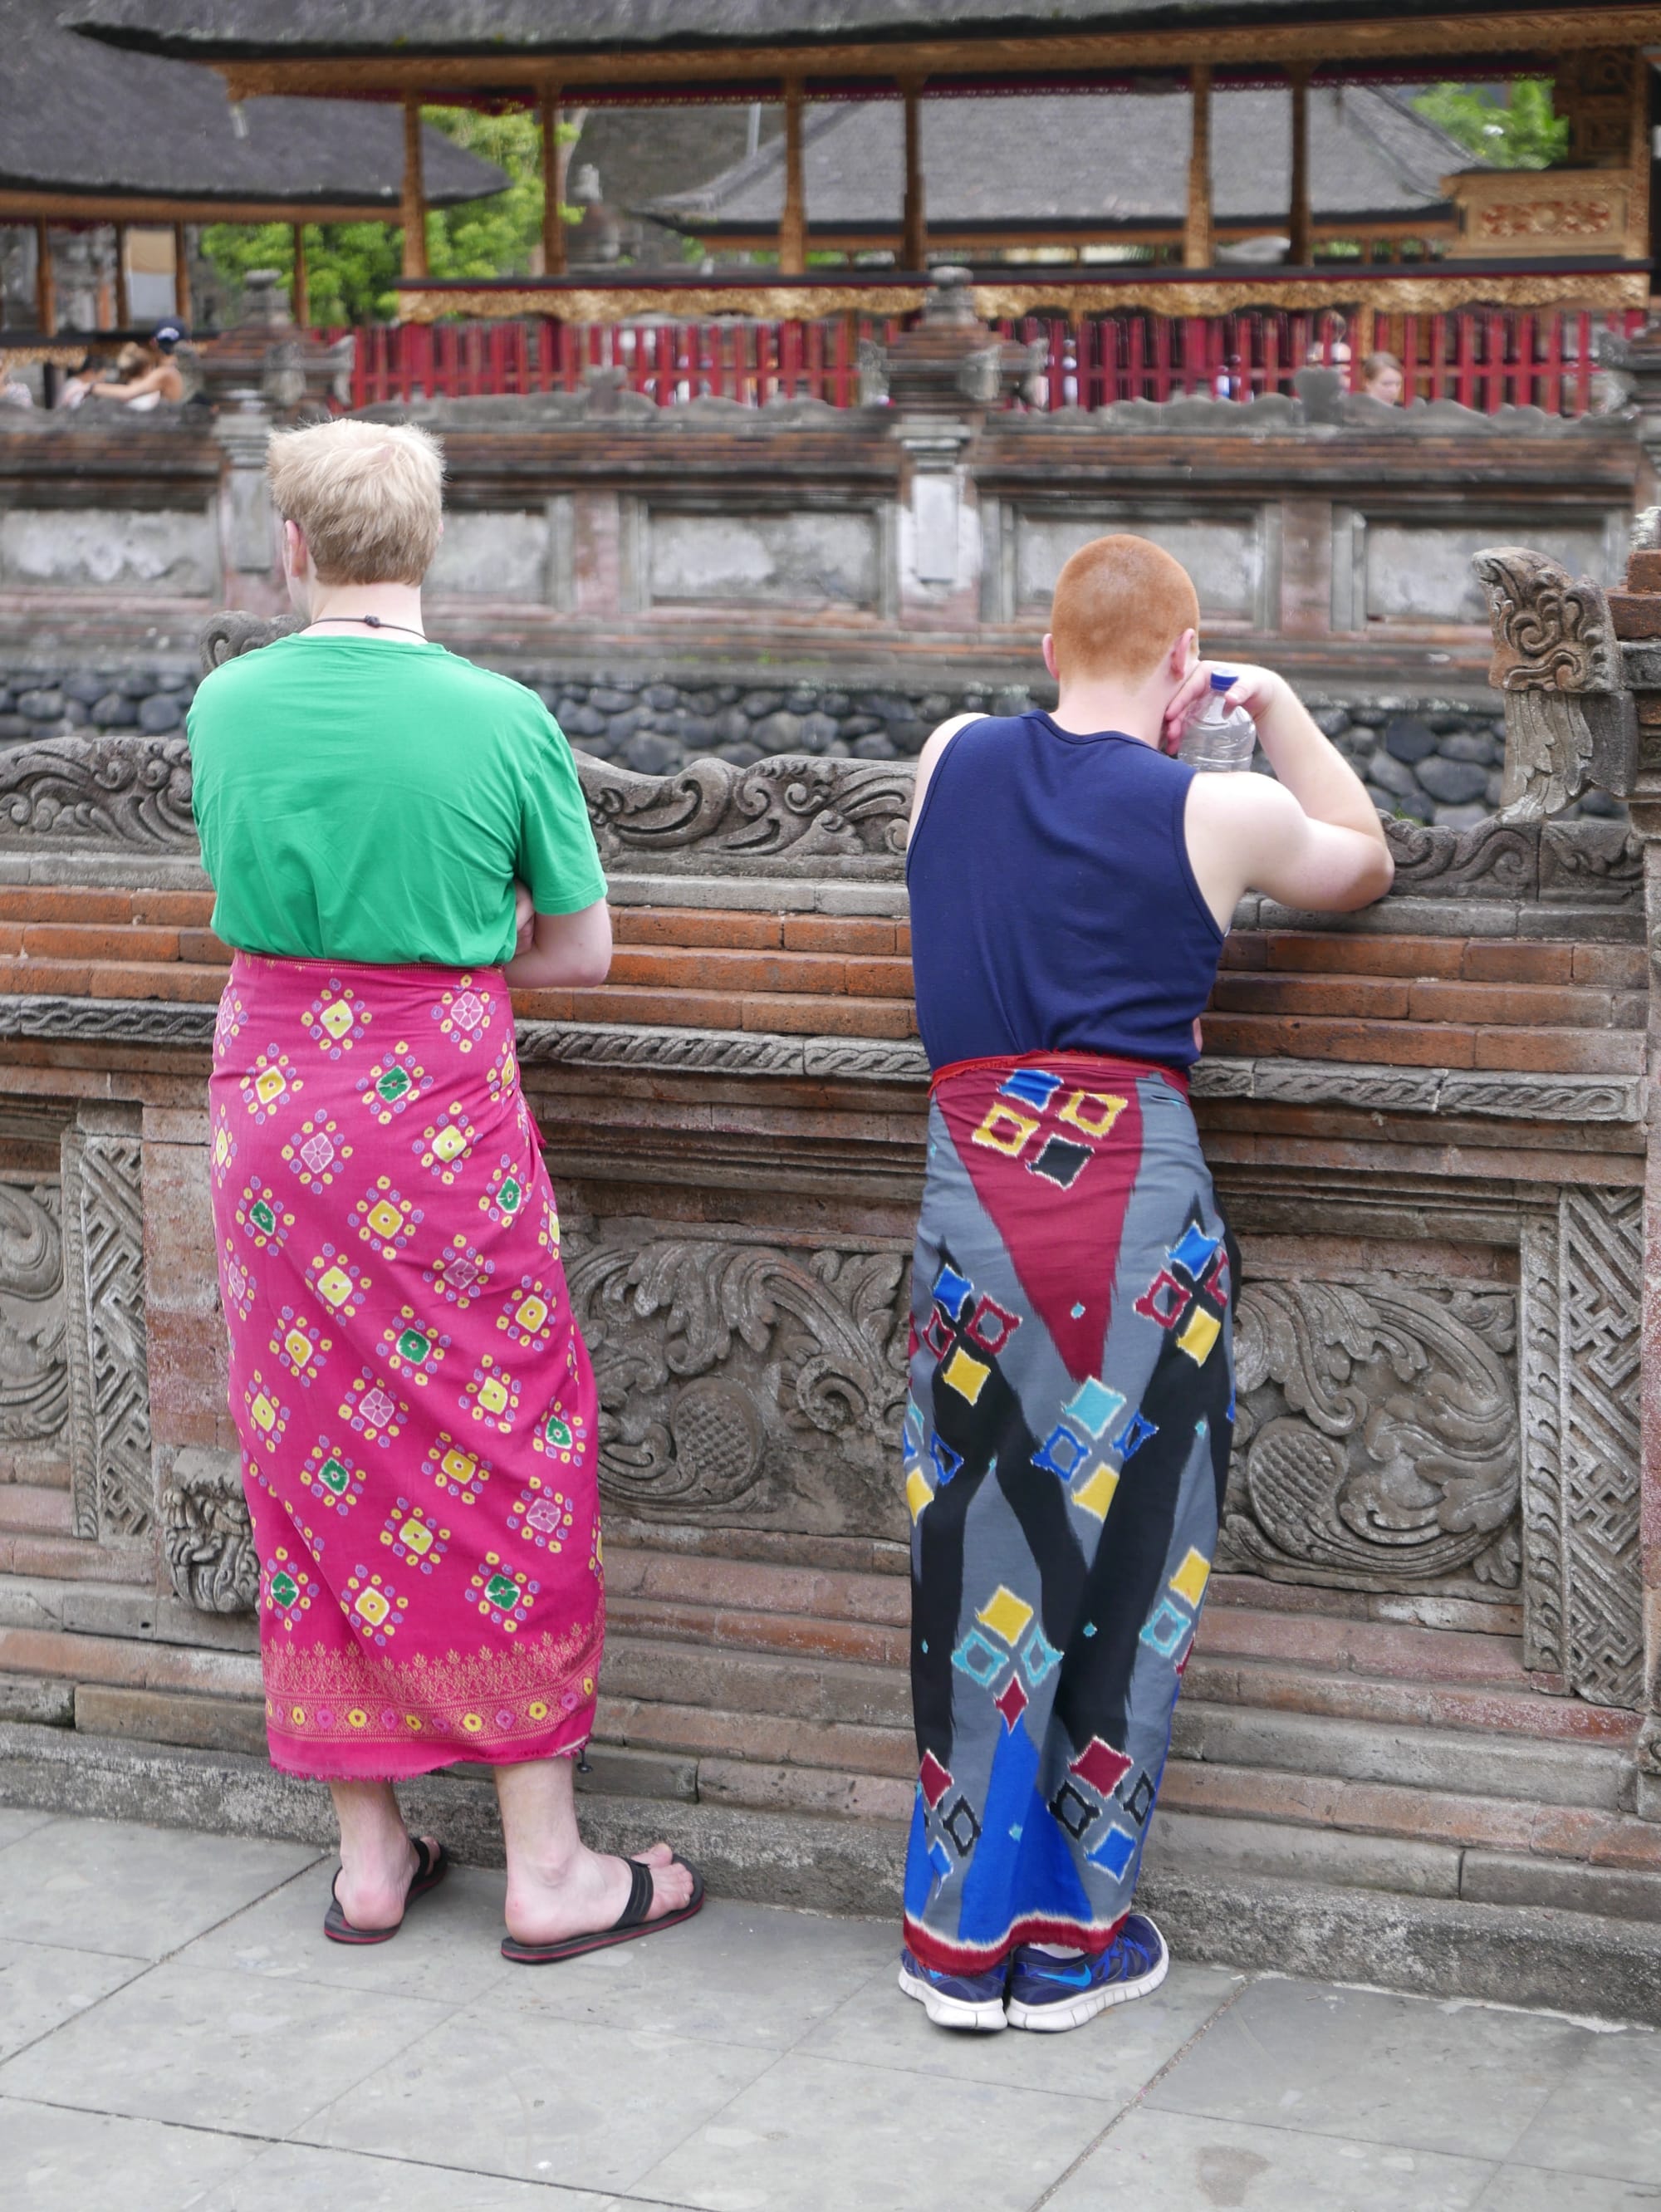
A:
1050, 173
1577, 232
93, 139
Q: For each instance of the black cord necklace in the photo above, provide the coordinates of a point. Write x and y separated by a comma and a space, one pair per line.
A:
372, 622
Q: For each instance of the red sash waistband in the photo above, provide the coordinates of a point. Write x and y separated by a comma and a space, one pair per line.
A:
1093, 1066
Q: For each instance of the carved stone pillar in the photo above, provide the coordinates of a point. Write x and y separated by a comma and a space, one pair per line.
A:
1637, 620
114, 1488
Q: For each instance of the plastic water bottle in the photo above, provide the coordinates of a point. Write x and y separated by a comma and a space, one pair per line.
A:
1219, 736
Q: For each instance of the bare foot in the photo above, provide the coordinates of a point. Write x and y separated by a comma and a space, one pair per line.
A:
373, 1888
588, 1892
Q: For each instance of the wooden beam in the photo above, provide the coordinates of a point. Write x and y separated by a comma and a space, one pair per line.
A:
793, 224
300, 291
45, 291
1638, 163
1196, 231
554, 255
414, 208
181, 275
1299, 226
161, 211
1338, 40
914, 247
123, 308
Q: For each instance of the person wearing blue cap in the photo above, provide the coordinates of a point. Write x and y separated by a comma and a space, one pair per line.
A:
160, 382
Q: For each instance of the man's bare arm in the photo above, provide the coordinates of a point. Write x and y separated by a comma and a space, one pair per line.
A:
570, 951
1313, 839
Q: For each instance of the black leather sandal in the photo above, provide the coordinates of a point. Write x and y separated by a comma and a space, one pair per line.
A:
431, 1868
631, 1921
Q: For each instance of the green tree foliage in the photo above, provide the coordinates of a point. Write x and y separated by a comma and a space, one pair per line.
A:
351, 267
1511, 125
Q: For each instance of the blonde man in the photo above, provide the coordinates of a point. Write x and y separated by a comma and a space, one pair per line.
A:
415, 1406
1071, 1379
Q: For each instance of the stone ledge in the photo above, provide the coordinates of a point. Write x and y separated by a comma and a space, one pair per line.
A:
1498, 1093
1557, 1961
1433, 1946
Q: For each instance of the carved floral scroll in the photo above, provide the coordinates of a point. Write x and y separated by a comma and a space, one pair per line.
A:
1376, 1445
1569, 723
743, 1381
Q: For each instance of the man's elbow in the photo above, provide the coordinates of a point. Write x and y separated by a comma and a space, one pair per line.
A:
1374, 878
589, 967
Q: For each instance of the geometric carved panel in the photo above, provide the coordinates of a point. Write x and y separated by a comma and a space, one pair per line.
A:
109, 1367
1582, 1290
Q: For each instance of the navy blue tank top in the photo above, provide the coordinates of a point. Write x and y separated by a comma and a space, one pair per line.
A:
1053, 905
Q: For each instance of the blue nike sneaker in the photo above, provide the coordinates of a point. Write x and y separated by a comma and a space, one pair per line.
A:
974, 2002
1049, 1993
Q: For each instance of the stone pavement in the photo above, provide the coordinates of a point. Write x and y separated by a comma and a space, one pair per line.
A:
177, 2037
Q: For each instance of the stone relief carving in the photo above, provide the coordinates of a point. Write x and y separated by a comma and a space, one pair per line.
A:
231, 631
792, 807
117, 790
1376, 1441
742, 1382
1495, 860
34, 1374
207, 1538
1582, 1292
1569, 723
109, 1364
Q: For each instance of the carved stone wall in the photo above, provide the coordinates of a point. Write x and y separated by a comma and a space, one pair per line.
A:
1376, 1442
743, 1381
1582, 1465
34, 1374
109, 1370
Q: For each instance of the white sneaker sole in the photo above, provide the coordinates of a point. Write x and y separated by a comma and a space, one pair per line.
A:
1054, 2019
953, 2012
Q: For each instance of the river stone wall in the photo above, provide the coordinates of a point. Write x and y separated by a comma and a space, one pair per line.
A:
1428, 759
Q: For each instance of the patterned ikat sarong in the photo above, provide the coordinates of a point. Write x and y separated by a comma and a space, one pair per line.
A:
1066, 1447
417, 1409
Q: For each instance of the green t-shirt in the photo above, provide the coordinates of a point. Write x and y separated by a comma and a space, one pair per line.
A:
365, 801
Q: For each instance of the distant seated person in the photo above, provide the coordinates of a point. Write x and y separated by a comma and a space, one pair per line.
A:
1384, 378
1331, 349
156, 378
14, 392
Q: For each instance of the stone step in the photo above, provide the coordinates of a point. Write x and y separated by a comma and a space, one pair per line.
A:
74, 1558
756, 1586
35, 1510
712, 1731
1377, 1808
1514, 1710
1599, 1964
779, 1686
37, 1697
120, 1609
1589, 1775
1397, 1651
789, 1634
122, 1663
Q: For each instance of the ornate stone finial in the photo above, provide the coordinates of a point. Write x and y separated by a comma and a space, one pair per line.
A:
233, 631
1569, 722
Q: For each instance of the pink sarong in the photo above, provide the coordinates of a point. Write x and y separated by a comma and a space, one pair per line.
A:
417, 1408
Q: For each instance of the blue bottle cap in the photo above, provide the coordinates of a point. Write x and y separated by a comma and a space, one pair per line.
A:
1221, 683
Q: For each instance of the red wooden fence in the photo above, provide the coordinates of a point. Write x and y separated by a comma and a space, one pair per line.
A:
1485, 358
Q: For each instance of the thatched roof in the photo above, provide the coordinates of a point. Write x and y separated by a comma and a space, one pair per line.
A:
1091, 160
250, 29
78, 116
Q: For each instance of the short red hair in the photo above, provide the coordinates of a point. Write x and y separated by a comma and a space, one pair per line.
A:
1120, 604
